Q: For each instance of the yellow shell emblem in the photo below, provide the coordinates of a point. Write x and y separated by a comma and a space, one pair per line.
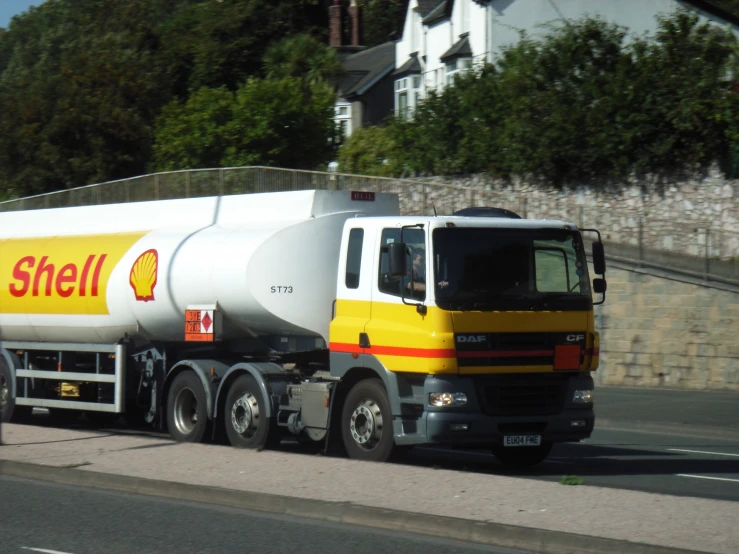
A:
143, 276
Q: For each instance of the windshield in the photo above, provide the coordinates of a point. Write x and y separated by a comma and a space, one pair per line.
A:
510, 269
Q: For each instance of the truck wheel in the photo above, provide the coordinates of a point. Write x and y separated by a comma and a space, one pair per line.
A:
367, 422
247, 425
523, 457
7, 404
187, 408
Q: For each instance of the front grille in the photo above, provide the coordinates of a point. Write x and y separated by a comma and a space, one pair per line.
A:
526, 395
513, 349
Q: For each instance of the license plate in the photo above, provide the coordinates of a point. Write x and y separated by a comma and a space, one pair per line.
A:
522, 440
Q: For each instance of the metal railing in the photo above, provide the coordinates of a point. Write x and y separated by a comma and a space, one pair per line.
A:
697, 250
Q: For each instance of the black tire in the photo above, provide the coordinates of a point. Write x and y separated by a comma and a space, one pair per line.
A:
244, 416
367, 422
7, 403
523, 457
187, 408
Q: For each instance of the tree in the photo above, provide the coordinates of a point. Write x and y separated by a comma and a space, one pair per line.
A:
211, 43
192, 134
369, 151
78, 94
274, 122
83, 81
382, 18
304, 57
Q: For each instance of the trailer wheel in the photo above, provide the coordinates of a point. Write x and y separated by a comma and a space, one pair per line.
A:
9, 410
187, 408
247, 425
522, 457
367, 422
7, 404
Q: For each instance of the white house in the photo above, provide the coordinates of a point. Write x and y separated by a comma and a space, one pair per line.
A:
442, 37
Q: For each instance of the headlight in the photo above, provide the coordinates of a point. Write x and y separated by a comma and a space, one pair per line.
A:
583, 397
445, 399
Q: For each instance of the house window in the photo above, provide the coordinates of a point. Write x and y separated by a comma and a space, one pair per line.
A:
451, 71
343, 119
403, 103
401, 96
417, 83
455, 67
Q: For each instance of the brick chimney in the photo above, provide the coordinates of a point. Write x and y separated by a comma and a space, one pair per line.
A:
335, 25
355, 16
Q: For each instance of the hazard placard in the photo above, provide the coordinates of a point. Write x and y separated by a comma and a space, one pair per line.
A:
199, 325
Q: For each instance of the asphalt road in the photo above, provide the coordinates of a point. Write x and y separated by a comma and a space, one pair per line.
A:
56, 519
682, 443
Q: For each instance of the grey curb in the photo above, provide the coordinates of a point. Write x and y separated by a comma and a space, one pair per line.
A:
508, 536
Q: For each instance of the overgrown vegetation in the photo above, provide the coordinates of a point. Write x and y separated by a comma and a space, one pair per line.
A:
88, 88
585, 103
96, 90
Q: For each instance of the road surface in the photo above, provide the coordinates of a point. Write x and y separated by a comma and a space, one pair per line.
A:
54, 519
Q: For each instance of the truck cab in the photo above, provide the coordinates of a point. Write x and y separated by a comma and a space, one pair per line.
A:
479, 329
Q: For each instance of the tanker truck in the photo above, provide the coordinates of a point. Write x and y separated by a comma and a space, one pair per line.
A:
320, 314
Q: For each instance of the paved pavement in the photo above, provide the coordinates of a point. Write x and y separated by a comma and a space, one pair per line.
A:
525, 513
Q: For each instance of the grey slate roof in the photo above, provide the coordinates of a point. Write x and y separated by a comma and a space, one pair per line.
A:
366, 67
426, 6
439, 13
459, 49
411, 66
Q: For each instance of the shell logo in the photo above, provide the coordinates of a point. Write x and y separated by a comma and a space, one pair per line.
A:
143, 277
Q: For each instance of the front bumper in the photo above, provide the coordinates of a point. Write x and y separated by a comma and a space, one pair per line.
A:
499, 406
484, 430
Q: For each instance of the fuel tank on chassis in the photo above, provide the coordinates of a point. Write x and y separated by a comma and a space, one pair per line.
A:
95, 274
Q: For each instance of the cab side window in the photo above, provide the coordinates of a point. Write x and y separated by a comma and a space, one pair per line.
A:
413, 284
354, 258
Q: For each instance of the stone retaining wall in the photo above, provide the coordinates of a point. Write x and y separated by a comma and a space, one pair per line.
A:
657, 332
693, 217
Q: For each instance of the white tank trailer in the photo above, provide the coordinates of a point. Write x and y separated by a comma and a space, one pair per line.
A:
159, 258
257, 315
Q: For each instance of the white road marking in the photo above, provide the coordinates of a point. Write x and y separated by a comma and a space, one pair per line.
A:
43, 550
702, 452
705, 477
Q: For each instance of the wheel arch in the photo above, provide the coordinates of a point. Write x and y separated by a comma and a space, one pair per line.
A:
257, 370
203, 369
351, 372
